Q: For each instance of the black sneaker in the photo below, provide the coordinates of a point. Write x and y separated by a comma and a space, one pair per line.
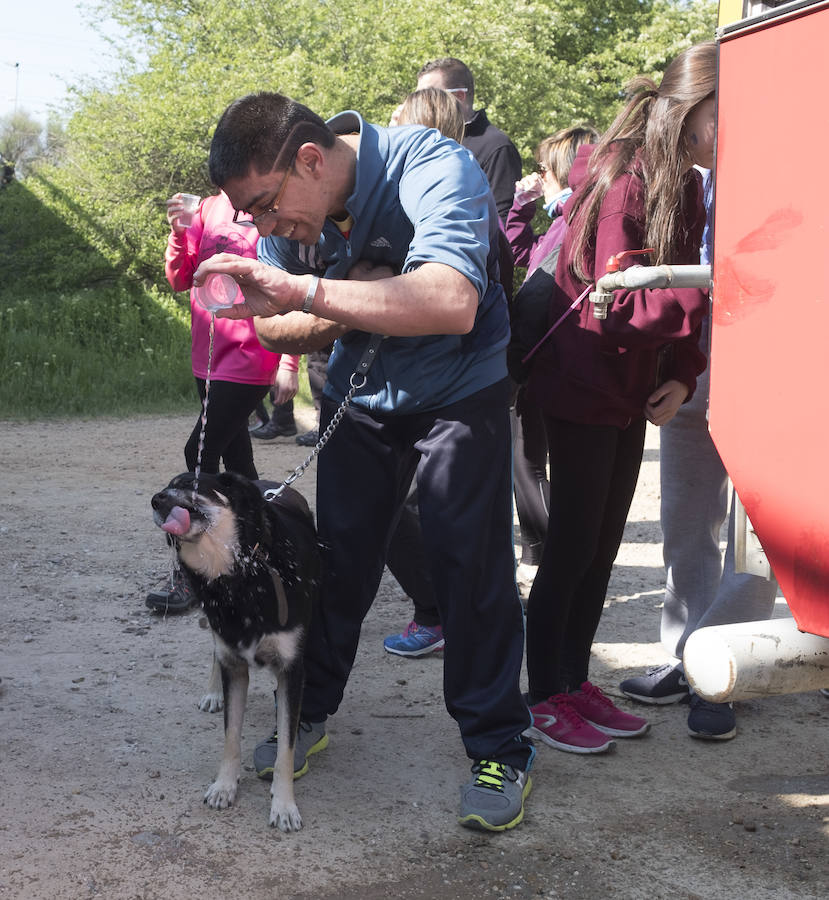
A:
309, 439
711, 721
658, 686
271, 430
175, 597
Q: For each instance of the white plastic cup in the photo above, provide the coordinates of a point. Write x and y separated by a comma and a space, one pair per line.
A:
189, 203
219, 291
523, 197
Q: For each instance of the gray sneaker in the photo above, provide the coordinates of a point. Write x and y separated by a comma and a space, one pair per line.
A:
494, 799
659, 685
310, 739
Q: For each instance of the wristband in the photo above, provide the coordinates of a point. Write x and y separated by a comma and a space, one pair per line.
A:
310, 294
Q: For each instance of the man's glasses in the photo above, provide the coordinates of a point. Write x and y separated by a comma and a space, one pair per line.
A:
273, 206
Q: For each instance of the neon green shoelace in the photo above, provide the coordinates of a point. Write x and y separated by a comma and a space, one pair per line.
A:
490, 775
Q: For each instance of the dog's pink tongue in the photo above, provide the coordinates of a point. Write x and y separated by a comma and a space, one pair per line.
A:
178, 522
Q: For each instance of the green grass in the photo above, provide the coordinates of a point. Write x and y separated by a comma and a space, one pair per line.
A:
106, 351
114, 350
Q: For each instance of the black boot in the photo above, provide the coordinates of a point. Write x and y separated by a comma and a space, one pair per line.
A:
282, 423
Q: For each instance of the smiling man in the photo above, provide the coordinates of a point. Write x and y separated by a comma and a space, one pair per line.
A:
366, 232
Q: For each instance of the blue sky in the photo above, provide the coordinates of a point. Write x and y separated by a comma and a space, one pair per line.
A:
53, 44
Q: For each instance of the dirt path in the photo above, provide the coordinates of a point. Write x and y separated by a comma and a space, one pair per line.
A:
105, 756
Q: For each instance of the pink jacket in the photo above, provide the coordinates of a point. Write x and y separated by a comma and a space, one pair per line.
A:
237, 354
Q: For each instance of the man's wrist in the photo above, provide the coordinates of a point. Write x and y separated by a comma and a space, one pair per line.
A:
310, 294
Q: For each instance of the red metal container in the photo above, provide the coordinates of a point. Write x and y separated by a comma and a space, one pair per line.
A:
769, 406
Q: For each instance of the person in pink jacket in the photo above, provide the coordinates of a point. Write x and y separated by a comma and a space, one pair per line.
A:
242, 371
598, 381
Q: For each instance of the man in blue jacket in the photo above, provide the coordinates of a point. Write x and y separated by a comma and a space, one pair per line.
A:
397, 223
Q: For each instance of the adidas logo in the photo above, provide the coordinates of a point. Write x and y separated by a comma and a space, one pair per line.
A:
381, 242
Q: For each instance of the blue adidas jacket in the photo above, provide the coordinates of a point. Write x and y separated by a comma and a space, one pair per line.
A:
418, 197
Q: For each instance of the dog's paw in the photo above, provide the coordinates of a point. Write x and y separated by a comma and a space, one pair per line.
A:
285, 816
221, 794
211, 703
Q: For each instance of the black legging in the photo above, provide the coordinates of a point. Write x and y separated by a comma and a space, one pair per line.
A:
593, 472
226, 435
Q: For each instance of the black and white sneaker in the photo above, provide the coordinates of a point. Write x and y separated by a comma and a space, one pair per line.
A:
658, 686
711, 721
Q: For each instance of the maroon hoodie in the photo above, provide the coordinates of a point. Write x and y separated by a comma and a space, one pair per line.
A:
601, 372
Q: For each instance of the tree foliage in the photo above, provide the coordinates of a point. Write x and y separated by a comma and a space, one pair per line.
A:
539, 65
21, 139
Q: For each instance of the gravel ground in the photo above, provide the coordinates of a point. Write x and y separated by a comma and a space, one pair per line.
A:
105, 756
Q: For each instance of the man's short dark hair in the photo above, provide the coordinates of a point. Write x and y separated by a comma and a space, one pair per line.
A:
455, 74
259, 131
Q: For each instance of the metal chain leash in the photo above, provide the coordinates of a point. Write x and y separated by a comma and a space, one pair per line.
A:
299, 471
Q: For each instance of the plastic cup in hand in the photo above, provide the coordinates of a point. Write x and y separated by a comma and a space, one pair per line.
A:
189, 204
524, 196
218, 292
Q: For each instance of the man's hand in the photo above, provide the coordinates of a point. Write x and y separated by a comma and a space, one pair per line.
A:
268, 290
665, 401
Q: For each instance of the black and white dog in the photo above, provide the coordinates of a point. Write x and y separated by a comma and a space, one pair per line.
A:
255, 568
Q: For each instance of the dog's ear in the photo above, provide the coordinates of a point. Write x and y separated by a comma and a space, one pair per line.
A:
228, 481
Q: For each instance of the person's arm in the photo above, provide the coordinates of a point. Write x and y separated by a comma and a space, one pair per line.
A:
182, 243
432, 299
296, 332
313, 332
519, 232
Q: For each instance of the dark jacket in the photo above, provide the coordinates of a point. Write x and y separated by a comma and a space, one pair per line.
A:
497, 156
601, 372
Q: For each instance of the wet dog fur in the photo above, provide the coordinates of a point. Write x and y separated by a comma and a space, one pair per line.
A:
254, 565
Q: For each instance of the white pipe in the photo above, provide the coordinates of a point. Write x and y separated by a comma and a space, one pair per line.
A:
755, 659
639, 277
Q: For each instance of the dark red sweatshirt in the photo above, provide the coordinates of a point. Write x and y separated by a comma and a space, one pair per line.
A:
601, 372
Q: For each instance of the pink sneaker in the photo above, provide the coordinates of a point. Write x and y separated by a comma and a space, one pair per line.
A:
556, 722
598, 710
